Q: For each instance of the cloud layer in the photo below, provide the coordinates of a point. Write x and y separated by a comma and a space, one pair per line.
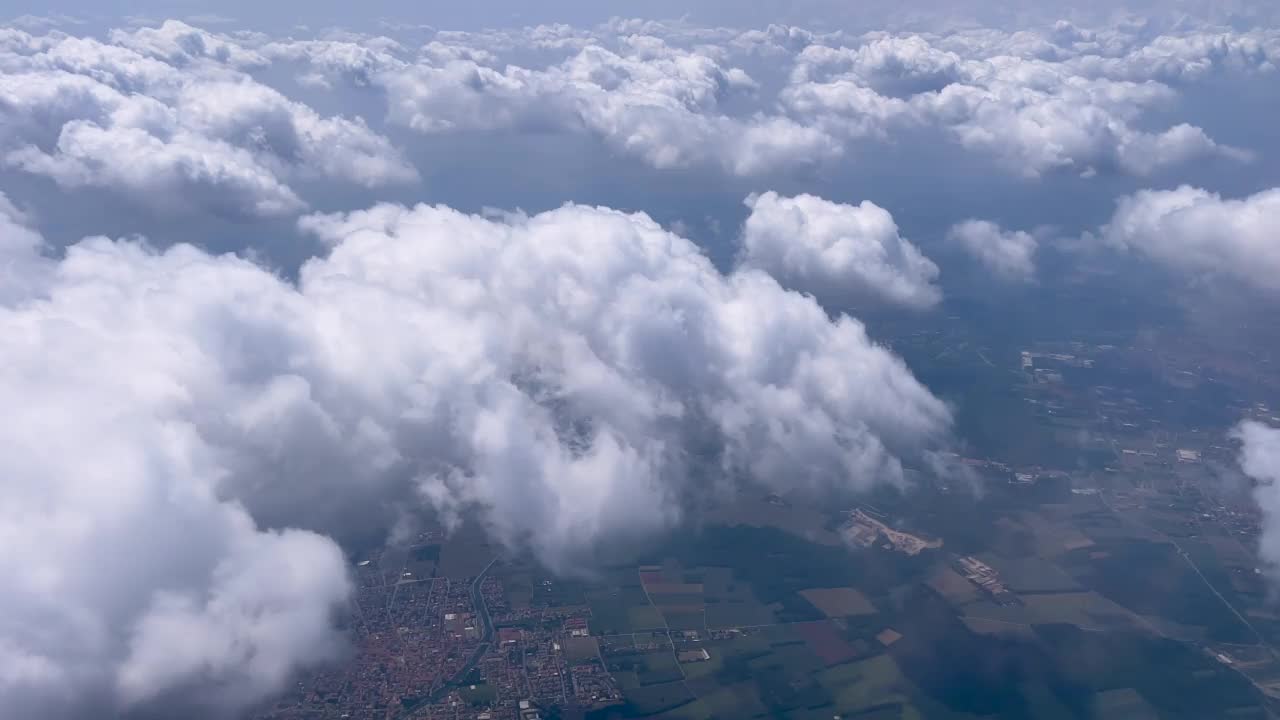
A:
180, 120
574, 378
167, 117
128, 575
1069, 100
206, 111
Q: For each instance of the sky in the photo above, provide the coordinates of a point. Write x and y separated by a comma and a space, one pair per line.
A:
275, 286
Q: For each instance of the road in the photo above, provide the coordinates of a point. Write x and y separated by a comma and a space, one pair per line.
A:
1127, 517
667, 628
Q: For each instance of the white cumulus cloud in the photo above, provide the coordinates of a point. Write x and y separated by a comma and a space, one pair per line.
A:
1009, 254
165, 117
1260, 460
1037, 101
651, 100
128, 576
837, 252
1199, 232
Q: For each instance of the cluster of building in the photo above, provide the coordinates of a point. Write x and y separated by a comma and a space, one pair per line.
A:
529, 669
985, 577
411, 638
863, 530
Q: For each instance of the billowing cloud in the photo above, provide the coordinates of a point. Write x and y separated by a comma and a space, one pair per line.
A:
1199, 232
1064, 99
128, 577
1010, 254
573, 379
1032, 115
649, 99
1061, 100
163, 116
1260, 460
839, 253
23, 267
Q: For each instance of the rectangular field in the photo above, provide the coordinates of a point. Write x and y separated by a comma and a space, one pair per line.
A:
839, 602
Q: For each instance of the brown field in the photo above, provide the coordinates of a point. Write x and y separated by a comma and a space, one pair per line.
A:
888, 636
678, 609
1229, 550
839, 602
952, 585
1177, 631
670, 588
981, 626
1123, 703
1054, 537
825, 640
581, 648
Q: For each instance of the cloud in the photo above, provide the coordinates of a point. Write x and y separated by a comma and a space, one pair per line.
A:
179, 44
574, 379
181, 173
1037, 102
1063, 99
571, 416
897, 66
23, 268
650, 100
1032, 115
1260, 460
1010, 254
1195, 231
128, 576
839, 253
161, 116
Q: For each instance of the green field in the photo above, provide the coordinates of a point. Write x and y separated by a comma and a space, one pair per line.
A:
864, 684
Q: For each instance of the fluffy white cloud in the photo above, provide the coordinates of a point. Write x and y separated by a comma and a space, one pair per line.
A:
128, 576
177, 43
839, 253
891, 65
1196, 231
1062, 99
1033, 115
574, 378
179, 173
557, 329
1260, 460
1007, 253
651, 100
23, 267
162, 116
1176, 58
